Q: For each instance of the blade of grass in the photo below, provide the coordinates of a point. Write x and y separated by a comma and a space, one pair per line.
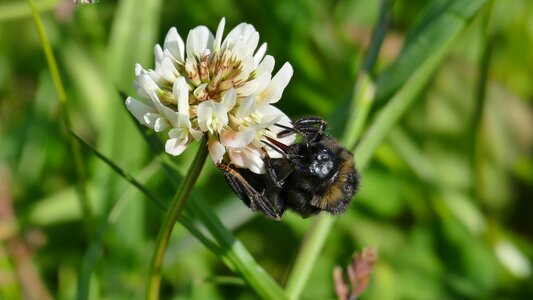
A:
60, 89
120, 171
362, 100
477, 152
176, 206
364, 93
442, 18
236, 253
365, 88
413, 157
434, 40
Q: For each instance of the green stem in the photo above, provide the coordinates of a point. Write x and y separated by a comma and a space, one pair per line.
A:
60, 89
364, 93
182, 194
309, 251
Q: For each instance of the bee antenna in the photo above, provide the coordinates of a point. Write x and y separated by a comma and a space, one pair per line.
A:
284, 127
273, 147
276, 146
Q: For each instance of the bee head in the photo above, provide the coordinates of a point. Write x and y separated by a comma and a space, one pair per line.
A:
315, 160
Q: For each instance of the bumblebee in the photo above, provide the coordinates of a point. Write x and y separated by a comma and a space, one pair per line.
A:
314, 174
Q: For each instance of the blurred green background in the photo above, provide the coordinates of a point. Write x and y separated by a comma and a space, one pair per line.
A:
447, 198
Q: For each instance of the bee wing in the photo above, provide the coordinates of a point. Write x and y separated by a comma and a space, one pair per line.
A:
248, 194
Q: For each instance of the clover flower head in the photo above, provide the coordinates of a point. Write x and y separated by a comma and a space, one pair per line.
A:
222, 88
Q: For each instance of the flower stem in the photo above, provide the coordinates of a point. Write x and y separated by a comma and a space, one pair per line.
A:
60, 89
154, 281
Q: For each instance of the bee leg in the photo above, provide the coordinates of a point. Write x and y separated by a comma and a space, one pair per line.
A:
310, 122
286, 130
269, 202
236, 186
311, 127
277, 173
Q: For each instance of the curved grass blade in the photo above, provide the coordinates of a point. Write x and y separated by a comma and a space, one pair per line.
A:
427, 46
62, 95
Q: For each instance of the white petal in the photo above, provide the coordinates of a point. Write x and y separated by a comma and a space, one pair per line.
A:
147, 84
161, 124
247, 107
255, 86
258, 56
249, 157
200, 91
218, 35
271, 112
237, 139
196, 134
138, 69
166, 112
266, 66
216, 151
174, 44
229, 99
167, 69
198, 40
246, 69
185, 124
158, 54
155, 76
273, 92
150, 119
245, 34
236, 157
257, 166
181, 94
205, 113
174, 147
138, 109
175, 133
221, 115
253, 161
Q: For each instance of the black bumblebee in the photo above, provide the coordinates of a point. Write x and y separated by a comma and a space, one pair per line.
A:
315, 174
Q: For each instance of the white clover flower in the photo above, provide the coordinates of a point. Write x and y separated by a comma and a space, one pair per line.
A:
222, 88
